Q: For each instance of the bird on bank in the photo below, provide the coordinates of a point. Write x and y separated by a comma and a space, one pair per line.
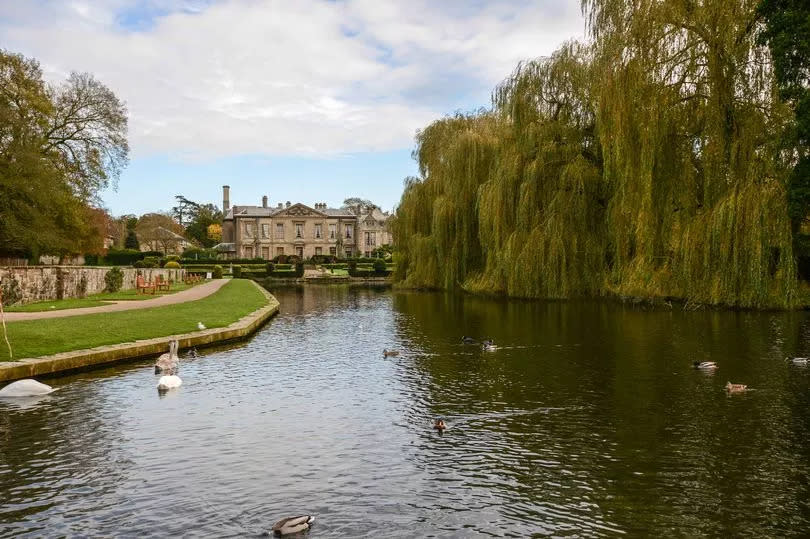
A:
168, 363
290, 525
488, 346
390, 353
704, 365
200, 326
736, 388
26, 388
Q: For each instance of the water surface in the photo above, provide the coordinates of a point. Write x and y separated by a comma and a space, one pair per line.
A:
587, 422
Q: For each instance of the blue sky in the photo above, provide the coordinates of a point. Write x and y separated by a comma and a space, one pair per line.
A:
309, 101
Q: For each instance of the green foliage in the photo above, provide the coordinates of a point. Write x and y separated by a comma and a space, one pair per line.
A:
237, 272
139, 264
380, 266
114, 279
131, 242
123, 257
653, 163
217, 272
172, 264
151, 262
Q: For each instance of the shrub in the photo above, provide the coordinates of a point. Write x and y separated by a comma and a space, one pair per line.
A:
139, 264
281, 259
114, 279
123, 257
237, 272
217, 272
91, 260
379, 266
270, 268
172, 264
299, 269
200, 254
150, 262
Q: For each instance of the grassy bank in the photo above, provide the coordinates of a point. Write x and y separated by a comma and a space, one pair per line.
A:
94, 300
44, 337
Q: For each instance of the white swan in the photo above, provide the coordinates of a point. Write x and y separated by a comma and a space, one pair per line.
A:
168, 362
26, 388
289, 525
800, 361
169, 381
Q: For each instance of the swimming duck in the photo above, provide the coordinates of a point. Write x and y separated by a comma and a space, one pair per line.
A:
289, 525
468, 340
735, 388
800, 361
169, 381
168, 362
488, 346
26, 388
439, 425
193, 353
704, 365
390, 353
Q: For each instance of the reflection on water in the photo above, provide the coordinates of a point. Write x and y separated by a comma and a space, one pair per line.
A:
588, 421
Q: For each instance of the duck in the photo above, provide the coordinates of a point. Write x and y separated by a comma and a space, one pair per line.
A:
390, 353
200, 326
736, 388
169, 381
168, 362
26, 388
289, 525
468, 340
439, 425
193, 353
488, 346
704, 365
803, 361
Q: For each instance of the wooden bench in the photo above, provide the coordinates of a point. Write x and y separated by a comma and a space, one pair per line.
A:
142, 284
163, 284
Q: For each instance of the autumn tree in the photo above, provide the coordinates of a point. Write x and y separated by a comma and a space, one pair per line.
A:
60, 145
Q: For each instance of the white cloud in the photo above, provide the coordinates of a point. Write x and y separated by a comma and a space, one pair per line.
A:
280, 77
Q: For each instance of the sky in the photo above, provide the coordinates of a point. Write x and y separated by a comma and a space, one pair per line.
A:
305, 100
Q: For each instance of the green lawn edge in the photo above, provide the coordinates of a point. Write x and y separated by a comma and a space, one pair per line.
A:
35, 338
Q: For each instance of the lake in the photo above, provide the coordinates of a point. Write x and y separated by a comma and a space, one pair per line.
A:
588, 421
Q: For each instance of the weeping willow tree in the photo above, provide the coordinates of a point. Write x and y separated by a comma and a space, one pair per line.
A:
649, 162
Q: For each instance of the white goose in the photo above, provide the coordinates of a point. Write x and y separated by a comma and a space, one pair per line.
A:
168, 362
26, 388
289, 525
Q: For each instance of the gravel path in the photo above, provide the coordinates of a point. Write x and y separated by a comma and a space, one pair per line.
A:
194, 293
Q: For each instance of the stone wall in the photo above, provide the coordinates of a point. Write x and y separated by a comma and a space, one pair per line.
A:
39, 283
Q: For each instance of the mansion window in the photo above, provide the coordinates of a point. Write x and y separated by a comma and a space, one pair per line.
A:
248, 230
265, 231
280, 231
333, 251
348, 252
279, 251
318, 230
266, 252
332, 231
299, 230
371, 238
300, 252
348, 232
318, 251
248, 252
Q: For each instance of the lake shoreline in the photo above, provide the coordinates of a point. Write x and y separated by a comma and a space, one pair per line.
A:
77, 360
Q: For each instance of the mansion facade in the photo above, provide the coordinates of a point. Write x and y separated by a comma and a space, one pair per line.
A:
297, 229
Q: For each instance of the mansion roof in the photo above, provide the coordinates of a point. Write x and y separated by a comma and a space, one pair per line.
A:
296, 210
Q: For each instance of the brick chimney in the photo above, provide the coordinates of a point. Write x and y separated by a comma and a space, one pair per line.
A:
264, 201
226, 198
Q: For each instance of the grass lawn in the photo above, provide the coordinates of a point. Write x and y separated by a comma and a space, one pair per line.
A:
94, 300
35, 338
339, 272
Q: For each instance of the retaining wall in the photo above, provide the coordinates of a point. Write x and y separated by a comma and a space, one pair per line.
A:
40, 283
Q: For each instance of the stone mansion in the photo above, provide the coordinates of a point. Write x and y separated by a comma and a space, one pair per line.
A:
297, 229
